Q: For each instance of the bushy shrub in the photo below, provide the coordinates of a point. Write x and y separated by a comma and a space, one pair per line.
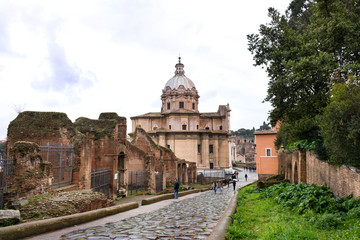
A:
354, 213
304, 197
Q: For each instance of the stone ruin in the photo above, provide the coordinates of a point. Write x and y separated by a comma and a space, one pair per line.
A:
31, 176
98, 144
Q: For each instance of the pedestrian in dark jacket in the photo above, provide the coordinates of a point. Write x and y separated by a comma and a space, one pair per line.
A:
234, 184
176, 189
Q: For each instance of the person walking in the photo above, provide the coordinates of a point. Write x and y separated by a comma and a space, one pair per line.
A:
214, 187
220, 186
234, 184
245, 177
176, 189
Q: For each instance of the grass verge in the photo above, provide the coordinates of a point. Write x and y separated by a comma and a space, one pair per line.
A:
257, 217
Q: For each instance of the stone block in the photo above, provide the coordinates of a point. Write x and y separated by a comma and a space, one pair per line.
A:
9, 217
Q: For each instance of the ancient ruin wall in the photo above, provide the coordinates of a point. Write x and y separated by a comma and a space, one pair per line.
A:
40, 127
342, 180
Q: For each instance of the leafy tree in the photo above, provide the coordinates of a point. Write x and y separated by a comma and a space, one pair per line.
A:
264, 126
340, 124
303, 51
243, 132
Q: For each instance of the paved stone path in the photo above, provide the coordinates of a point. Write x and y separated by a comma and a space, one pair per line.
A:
192, 218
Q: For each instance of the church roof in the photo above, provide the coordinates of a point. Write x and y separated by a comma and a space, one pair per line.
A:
179, 78
149, 115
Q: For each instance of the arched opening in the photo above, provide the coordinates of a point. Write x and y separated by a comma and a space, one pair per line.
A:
179, 173
120, 172
296, 176
183, 171
121, 161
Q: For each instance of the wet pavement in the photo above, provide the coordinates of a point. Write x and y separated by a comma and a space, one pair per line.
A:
190, 217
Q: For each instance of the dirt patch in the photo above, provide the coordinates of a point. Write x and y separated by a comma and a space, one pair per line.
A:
62, 204
276, 179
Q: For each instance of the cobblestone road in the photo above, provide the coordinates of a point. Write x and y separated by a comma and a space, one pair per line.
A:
192, 218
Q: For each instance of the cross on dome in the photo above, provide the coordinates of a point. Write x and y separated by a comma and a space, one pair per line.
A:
179, 68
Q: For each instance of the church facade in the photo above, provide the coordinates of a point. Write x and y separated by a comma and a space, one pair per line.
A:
197, 137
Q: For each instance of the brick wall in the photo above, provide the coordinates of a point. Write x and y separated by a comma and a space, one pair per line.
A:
342, 180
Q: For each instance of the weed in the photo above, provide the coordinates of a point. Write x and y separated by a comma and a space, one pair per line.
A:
37, 215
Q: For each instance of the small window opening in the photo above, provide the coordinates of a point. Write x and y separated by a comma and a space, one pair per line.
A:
268, 152
211, 148
181, 104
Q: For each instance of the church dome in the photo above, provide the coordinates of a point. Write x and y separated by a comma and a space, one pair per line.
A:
179, 78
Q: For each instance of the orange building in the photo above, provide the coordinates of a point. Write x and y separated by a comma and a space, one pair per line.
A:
267, 163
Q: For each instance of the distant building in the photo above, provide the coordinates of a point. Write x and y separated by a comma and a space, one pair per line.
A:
232, 150
245, 148
202, 138
267, 163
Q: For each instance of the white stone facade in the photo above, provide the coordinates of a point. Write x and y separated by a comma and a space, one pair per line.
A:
202, 138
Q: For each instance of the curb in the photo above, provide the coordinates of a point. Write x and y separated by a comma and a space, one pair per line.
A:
225, 220
166, 196
42, 226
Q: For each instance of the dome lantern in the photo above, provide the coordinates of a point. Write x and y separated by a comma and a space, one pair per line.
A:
179, 92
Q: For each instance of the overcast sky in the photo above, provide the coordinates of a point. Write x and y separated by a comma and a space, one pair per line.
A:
87, 57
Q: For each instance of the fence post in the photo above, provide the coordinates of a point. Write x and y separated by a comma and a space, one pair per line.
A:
47, 152
60, 167
71, 162
136, 178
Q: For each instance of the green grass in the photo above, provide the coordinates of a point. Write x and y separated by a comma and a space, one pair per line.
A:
262, 218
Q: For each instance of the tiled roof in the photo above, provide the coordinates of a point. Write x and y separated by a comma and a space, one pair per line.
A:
265, 132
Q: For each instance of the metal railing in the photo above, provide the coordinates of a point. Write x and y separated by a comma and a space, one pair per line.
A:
159, 181
100, 181
62, 159
138, 181
210, 175
7, 165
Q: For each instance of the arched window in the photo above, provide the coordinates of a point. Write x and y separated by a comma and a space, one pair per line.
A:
184, 127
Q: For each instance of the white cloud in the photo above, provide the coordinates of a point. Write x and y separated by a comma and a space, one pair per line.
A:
87, 57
